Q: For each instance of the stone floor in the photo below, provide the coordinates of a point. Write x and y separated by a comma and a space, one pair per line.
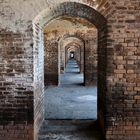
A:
71, 100
70, 130
70, 109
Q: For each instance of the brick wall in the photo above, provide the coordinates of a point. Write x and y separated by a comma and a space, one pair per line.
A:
123, 72
90, 62
51, 63
102, 83
38, 54
16, 89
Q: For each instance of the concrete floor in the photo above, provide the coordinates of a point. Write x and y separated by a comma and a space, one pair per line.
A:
71, 100
70, 130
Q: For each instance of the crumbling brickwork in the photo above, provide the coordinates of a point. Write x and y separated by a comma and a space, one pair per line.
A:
16, 89
21, 59
51, 63
38, 78
90, 64
123, 71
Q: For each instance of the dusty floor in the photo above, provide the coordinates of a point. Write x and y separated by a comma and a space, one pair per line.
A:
70, 130
71, 100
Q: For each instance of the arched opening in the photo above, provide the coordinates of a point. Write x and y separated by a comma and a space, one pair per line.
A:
88, 13
72, 40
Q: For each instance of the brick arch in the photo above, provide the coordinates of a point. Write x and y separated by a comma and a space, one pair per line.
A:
112, 91
72, 45
48, 11
73, 9
76, 36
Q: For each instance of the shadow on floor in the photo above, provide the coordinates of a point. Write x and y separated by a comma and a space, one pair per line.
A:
70, 130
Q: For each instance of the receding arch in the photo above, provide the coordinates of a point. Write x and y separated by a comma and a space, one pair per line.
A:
70, 9
67, 36
64, 41
73, 47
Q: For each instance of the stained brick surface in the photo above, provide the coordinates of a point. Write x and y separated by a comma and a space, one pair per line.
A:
21, 64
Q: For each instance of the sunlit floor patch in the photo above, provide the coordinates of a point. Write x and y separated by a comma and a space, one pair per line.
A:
88, 97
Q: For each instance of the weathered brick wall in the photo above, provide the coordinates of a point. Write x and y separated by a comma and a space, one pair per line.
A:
82, 58
51, 63
16, 131
16, 89
90, 62
101, 82
123, 88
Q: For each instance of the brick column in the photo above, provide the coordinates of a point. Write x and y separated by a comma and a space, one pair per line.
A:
82, 59
90, 72
51, 63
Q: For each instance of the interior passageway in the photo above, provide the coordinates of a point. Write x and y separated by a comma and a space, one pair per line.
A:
71, 100
70, 108
70, 80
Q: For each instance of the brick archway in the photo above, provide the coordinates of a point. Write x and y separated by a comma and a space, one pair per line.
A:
117, 30
69, 9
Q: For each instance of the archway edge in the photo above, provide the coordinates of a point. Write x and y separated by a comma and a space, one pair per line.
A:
73, 44
77, 37
67, 40
73, 9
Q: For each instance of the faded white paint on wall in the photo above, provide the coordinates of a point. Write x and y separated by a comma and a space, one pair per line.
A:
17, 15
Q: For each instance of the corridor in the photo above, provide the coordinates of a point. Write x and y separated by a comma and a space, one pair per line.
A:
71, 100
70, 108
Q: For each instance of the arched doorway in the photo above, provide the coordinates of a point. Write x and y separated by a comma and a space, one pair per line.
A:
101, 26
